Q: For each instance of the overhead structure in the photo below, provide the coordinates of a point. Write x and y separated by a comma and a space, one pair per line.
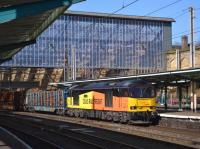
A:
22, 21
168, 77
17, 85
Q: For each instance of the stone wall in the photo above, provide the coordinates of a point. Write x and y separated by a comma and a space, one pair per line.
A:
184, 60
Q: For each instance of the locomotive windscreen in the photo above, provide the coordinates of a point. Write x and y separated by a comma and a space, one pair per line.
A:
142, 92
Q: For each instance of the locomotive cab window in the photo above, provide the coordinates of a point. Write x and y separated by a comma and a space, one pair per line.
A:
124, 92
120, 92
142, 92
149, 92
109, 99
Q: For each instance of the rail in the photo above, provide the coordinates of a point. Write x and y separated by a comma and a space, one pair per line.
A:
153, 132
92, 140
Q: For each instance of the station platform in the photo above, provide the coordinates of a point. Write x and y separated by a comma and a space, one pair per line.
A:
10, 141
184, 114
185, 119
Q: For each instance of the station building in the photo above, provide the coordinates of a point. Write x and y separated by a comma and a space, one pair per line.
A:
93, 45
178, 57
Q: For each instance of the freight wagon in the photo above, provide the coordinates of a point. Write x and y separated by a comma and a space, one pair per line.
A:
10, 100
47, 101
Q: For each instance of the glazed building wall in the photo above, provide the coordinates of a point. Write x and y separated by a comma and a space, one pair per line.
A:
99, 42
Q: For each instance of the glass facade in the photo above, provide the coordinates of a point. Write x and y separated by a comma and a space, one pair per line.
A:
48, 50
114, 43
95, 42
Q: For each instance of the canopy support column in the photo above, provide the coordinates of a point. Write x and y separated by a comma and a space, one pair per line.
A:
193, 97
165, 97
180, 98
187, 97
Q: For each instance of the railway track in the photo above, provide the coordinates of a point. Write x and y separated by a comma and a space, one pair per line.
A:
84, 138
32, 140
189, 139
37, 142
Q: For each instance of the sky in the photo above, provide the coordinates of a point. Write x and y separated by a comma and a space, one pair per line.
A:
178, 11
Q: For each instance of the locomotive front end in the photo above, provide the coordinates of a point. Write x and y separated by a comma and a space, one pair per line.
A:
142, 103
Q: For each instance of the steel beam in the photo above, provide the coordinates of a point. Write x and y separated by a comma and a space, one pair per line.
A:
7, 50
17, 45
23, 10
14, 85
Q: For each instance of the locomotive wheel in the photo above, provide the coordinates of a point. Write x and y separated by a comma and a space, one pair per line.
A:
124, 118
82, 114
103, 116
70, 113
116, 117
76, 113
109, 117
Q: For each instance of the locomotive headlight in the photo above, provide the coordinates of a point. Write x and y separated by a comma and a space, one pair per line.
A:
152, 107
133, 107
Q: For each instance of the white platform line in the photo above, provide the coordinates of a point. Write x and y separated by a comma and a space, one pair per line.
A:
15, 137
180, 116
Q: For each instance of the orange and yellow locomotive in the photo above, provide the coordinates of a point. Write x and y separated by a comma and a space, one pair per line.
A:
130, 101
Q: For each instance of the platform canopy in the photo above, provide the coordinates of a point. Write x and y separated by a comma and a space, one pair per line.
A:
165, 78
21, 21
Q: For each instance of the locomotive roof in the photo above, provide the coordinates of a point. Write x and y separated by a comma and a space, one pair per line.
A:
128, 83
109, 85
